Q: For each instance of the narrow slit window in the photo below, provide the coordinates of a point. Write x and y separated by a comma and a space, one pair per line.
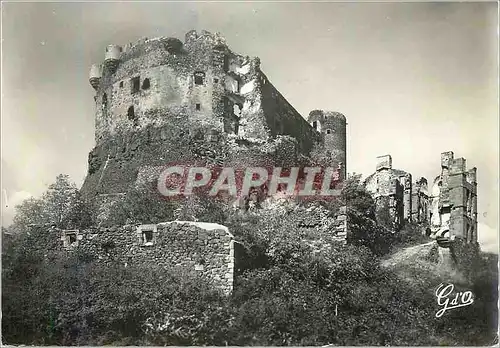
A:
136, 84
104, 101
131, 113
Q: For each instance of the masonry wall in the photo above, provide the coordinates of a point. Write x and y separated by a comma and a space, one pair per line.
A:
195, 102
392, 190
332, 127
204, 248
172, 91
454, 200
121, 162
420, 206
282, 118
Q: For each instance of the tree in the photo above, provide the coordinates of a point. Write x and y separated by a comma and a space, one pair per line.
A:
31, 211
361, 216
61, 205
59, 198
80, 214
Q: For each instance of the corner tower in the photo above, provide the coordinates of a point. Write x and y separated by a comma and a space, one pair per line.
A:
333, 129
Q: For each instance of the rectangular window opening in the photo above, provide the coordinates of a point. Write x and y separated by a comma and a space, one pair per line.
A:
198, 106
445, 210
136, 84
199, 78
147, 236
71, 238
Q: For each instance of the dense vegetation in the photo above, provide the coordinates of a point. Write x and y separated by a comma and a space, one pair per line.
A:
291, 293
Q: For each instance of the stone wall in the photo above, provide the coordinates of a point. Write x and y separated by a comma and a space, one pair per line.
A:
171, 86
391, 189
162, 101
282, 118
454, 200
204, 248
420, 205
332, 127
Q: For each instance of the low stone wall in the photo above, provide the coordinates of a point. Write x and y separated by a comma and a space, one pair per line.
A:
205, 248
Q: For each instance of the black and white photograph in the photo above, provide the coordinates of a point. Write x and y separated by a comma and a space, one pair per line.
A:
249, 173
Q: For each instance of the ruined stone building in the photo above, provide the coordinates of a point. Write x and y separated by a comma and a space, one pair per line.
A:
165, 100
394, 191
453, 210
450, 208
420, 201
162, 101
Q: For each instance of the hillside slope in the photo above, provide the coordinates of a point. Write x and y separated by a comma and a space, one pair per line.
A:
424, 263
425, 266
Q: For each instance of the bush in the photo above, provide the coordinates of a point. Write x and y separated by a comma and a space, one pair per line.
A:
295, 286
75, 300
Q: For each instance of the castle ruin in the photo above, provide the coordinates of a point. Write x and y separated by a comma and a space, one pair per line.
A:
449, 208
394, 191
162, 100
453, 210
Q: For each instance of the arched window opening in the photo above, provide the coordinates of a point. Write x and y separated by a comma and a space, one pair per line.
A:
316, 125
145, 84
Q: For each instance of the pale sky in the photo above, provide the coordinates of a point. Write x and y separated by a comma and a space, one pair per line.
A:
413, 79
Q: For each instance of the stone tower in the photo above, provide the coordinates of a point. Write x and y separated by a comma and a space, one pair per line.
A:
332, 126
161, 101
454, 200
393, 189
420, 201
